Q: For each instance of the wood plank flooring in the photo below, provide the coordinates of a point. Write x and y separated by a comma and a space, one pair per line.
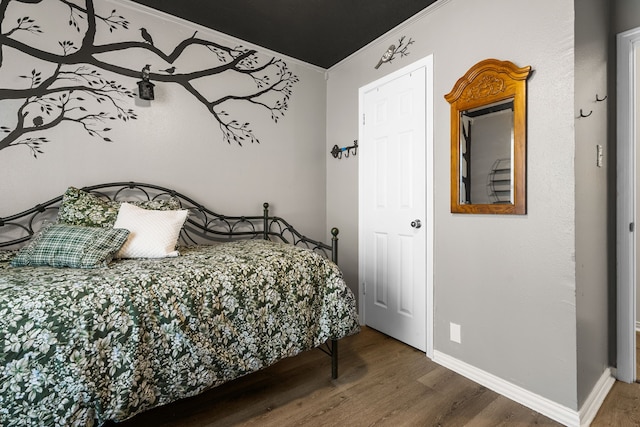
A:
622, 405
382, 382
621, 408
637, 353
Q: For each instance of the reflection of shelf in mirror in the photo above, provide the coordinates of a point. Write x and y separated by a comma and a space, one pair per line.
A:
499, 182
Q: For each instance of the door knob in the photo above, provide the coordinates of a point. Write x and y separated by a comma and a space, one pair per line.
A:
416, 223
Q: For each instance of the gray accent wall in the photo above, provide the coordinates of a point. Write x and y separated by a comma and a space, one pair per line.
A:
592, 210
509, 281
626, 15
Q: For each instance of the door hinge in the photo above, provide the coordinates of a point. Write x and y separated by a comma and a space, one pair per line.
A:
363, 120
364, 288
632, 226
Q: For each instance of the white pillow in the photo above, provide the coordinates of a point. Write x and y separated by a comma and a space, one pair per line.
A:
152, 233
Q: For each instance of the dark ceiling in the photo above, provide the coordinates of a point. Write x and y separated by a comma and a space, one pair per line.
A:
320, 32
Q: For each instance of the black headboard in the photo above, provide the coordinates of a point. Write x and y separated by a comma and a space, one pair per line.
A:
202, 226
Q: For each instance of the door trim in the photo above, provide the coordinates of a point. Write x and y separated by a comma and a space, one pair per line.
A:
427, 64
626, 203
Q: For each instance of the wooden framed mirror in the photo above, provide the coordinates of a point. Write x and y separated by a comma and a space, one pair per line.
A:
488, 139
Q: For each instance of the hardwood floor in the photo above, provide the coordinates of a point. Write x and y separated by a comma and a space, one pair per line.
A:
382, 382
622, 405
621, 408
637, 353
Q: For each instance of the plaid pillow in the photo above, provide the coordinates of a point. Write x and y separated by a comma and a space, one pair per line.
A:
59, 245
79, 207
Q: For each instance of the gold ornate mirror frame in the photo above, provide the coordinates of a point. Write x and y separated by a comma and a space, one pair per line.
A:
489, 86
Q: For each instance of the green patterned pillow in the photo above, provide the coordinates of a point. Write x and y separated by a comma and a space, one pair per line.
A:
79, 207
59, 245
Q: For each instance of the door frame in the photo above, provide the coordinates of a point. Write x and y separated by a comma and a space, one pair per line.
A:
626, 126
427, 64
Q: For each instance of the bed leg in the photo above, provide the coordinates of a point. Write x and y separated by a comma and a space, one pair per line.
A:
265, 221
334, 359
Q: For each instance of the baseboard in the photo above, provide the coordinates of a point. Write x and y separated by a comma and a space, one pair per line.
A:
553, 410
596, 397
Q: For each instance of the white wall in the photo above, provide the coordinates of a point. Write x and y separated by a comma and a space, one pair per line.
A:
174, 142
514, 293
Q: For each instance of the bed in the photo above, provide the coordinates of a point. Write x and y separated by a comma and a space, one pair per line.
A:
103, 342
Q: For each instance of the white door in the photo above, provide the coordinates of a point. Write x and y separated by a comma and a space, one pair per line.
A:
628, 44
394, 225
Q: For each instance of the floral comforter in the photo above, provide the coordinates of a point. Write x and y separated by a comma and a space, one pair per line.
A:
79, 347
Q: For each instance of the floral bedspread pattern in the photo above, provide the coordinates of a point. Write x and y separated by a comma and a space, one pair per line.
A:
79, 347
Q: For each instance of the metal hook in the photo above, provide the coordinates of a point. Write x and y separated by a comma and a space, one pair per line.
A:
600, 100
583, 115
336, 151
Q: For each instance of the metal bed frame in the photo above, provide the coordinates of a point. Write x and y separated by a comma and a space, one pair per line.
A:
202, 226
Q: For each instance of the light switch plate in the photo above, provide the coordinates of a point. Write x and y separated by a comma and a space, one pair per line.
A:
600, 155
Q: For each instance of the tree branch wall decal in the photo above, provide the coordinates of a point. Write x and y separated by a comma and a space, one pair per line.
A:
72, 83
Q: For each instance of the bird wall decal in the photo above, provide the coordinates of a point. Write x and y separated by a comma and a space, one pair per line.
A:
170, 70
145, 87
392, 52
146, 36
386, 56
146, 70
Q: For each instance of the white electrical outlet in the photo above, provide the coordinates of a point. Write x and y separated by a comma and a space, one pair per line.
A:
455, 333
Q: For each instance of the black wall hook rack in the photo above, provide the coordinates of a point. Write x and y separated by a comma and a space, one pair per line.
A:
336, 151
598, 99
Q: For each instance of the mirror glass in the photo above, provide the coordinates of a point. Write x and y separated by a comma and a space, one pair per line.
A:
486, 150
488, 139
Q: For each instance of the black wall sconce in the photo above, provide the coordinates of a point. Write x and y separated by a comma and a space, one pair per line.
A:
336, 151
145, 87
